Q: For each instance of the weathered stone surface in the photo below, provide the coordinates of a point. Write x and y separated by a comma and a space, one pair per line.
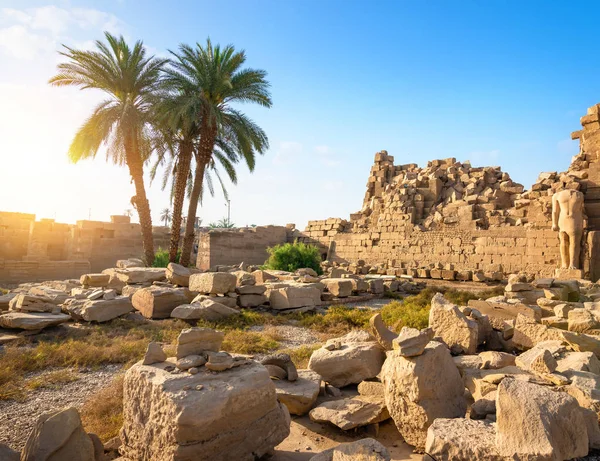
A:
251, 290
131, 262
7, 454
358, 358
105, 310
534, 422
216, 283
195, 341
32, 303
361, 450
178, 275
231, 415
219, 361
528, 333
95, 280
5, 300
58, 436
372, 388
342, 288
154, 354
300, 395
582, 321
225, 300
208, 310
420, 389
381, 333
190, 361
252, 300
585, 388
262, 276
494, 360
579, 361
32, 321
460, 439
411, 342
536, 360
284, 362
350, 413
289, 297
132, 275
158, 302
450, 324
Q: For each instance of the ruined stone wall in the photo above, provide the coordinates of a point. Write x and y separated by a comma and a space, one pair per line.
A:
14, 272
233, 246
450, 215
14, 234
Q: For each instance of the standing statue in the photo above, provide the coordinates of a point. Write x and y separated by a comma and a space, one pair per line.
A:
567, 218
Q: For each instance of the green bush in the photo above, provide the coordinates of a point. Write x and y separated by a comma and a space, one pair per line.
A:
161, 258
292, 256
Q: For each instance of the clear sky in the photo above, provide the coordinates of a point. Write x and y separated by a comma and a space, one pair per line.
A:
498, 82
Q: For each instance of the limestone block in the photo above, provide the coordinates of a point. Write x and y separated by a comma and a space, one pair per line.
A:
300, 395
105, 310
178, 275
157, 302
452, 326
133, 275
32, 321
340, 287
95, 280
216, 283
289, 297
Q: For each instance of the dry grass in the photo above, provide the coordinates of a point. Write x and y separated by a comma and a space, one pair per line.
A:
337, 321
102, 414
248, 342
301, 355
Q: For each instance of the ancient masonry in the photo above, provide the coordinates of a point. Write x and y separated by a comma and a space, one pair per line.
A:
450, 219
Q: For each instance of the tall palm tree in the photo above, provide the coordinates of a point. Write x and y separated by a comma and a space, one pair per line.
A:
165, 216
122, 121
214, 77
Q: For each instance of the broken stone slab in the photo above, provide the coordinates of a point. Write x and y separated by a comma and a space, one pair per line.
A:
582, 321
585, 388
581, 342
195, 341
371, 388
133, 275
32, 321
251, 290
32, 303
53, 295
225, 300
219, 361
105, 310
290, 297
350, 413
216, 283
5, 300
191, 361
95, 280
537, 360
381, 333
452, 326
299, 396
252, 300
528, 333
352, 359
131, 262
461, 439
579, 361
361, 450
420, 389
156, 302
412, 342
206, 416
154, 354
493, 360
555, 425
498, 312
339, 287
208, 310
59, 435
178, 274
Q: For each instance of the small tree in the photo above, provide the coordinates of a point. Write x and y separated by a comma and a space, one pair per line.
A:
222, 223
165, 216
293, 256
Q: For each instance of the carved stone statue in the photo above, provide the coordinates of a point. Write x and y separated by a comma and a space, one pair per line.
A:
567, 219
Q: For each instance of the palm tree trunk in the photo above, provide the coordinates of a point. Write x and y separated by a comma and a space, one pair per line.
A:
183, 170
188, 240
140, 201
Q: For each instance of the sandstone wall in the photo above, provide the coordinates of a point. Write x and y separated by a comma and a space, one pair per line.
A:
233, 246
14, 272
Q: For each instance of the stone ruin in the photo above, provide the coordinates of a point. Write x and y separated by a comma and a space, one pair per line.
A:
456, 217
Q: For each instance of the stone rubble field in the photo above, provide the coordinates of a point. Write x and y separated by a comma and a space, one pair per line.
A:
511, 377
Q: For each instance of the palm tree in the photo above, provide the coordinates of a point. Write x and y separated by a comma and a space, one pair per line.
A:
165, 216
122, 121
215, 79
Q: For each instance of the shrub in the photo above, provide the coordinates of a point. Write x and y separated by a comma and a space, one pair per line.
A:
337, 320
292, 256
161, 258
102, 413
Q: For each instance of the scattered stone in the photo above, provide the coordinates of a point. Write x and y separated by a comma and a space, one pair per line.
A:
537, 360
216, 283
528, 333
300, 395
103, 310
219, 361
412, 342
289, 297
350, 413
579, 361
361, 450
358, 358
32, 321
158, 302
208, 310
31, 303
154, 354
284, 362
178, 274
381, 333
133, 275
95, 280
339, 287
195, 341
190, 361
452, 326
420, 389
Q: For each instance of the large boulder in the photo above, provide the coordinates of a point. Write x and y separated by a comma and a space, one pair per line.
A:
290, 297
178, 274
208, 309
196, 341
420, 389
157, 302
460, 439
32, 321
528, 333
216, 283
105, 310
59, 436
342, 288
132, 275
351, 413
348, 360
300, 395
452, 326
228, 415
534, 422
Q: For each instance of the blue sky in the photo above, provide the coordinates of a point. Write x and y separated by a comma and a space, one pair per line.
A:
496, 82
